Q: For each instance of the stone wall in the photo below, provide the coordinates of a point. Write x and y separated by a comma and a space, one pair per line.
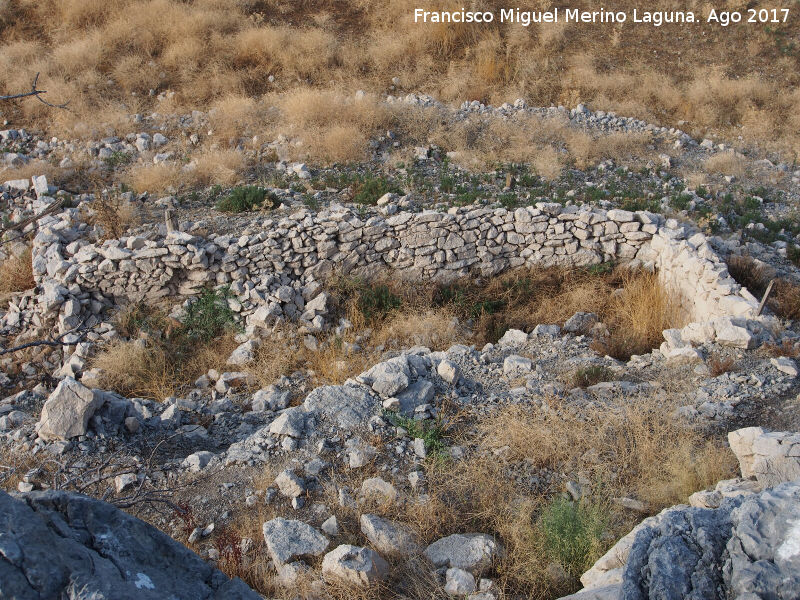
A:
296, 250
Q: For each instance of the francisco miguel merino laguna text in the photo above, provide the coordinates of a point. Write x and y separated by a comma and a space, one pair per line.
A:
574, 15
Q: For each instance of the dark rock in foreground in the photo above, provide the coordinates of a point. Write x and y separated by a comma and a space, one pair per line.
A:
59, 544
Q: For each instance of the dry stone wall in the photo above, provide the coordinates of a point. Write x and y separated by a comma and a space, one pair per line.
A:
294, 250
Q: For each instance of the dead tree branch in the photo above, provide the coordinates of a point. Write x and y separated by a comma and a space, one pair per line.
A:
35, 93
81, 331
53, 207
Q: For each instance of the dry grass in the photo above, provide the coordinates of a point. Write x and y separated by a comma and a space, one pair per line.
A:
785, 299
223, 167
547, 143
727, 163
637, 316
755, 275
113, 216
107, 57
632, 450
136, 369
717, 364
16, 273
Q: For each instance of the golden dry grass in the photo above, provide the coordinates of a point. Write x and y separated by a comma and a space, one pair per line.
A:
629, 450
136, 369
107, 57
637, 315
726, 163
16, 273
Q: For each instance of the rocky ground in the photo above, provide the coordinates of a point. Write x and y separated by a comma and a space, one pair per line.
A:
374, 485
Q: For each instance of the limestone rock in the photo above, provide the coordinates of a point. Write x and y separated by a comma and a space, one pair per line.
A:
355, 565
449, 371
347, 406
99, 550
290, 539
67, 411
473, 552
388, 537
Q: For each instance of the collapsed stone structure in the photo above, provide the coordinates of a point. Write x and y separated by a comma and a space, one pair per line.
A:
275, 267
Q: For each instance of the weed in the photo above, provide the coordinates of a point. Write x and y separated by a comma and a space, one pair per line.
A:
117, 159
785, 348
680, 201
112, 216
785, 299
432, 433
717, 364
588, 376
246, 198
376, 302
209, 316
368, 190
572, 533
793, 254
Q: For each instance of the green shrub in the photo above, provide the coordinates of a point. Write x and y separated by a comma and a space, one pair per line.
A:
431, 433
793, 254
572, 533
209, 316
118, 158
377, 302
681, 201
246, 198
369, 189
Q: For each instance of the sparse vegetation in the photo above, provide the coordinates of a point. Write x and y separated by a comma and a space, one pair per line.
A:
113, 216
16, 273
209, 316
572, 533
588, 376
245, 198
368, 190
717, 364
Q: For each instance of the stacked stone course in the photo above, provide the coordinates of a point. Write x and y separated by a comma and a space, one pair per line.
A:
294, 250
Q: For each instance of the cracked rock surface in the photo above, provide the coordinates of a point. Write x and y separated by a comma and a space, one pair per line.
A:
55, 544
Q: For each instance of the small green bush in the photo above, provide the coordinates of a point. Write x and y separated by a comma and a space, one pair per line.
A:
793, 254
248, 197
431, 433
369, 189
118, 158
377, 302
572, 533
209, 316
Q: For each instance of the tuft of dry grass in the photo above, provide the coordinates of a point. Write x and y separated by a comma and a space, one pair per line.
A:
16, 273
223, 167
151, 178
785, 299
113, 216
755, 275
136, 369
717, 364
726, 163
637, 315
